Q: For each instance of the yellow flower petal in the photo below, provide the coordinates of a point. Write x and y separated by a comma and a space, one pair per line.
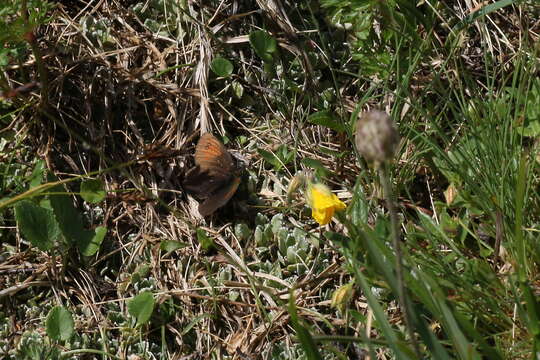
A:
322, 216
323, 203
338, 204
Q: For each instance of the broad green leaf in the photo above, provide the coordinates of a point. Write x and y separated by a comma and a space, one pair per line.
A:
328, 119
141, 307
284, 154
222, 67
68, 217
92, 190
71, 224
531, 130
89, 241
263, 44
59, 324
141, 272
37, 224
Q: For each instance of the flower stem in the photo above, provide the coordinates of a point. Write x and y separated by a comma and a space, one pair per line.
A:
395, 233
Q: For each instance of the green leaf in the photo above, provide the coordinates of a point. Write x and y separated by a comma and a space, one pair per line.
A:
359, 208
533, 309
330, 152
284, 154
59, 324
69, 219
90, 240
37, 224
531, 130
337, 238
318, 166
281, 157
207, 243
171, 245
270, 158
328, 119
222, 67
141, 307
92, 190
37, 174
71, 224
263, 44
194, 322
382, 319
483, 11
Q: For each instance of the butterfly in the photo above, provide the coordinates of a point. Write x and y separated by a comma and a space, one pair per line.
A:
215, 176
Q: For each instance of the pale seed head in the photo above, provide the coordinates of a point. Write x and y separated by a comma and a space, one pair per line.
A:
376, 136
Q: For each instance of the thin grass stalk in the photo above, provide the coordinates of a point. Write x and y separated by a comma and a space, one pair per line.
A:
31, 39
531, 304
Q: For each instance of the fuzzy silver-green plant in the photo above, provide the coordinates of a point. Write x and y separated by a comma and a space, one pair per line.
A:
295, 247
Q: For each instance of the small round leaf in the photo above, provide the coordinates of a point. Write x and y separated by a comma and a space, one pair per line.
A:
59, 323
222, 67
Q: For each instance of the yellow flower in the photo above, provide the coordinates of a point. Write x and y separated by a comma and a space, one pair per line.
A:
323, 203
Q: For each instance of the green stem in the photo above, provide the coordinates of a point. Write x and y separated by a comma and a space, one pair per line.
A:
66, 354
351, 339
403, 299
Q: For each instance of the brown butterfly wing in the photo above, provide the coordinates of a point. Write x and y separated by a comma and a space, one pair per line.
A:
214, 175
213, 169
212, 157
201, 183
219, 198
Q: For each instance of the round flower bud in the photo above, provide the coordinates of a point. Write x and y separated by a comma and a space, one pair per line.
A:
294, 184
376, 136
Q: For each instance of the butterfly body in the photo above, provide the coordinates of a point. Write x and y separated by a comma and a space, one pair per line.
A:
215, 176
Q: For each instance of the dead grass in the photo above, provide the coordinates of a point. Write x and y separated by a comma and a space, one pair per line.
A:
120, 92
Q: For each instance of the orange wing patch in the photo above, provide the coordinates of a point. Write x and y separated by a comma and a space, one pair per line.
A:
214, 176
212, 156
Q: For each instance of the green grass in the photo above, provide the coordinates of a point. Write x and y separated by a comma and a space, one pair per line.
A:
124, 91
